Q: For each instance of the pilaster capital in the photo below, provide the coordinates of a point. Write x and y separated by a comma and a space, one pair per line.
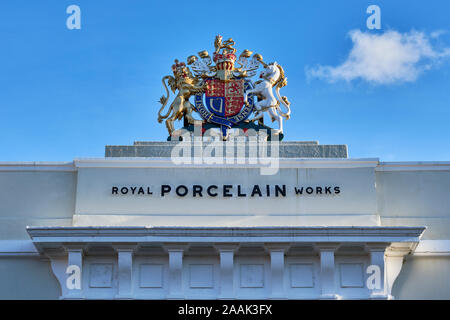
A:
75, 247
399, 249
226, 247
377, 246
277, 247
179, 247
53, 253
327, 246
125, 247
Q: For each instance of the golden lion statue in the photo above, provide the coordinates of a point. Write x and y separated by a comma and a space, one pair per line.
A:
186, 84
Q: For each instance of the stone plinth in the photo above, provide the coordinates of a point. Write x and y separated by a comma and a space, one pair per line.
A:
287, 149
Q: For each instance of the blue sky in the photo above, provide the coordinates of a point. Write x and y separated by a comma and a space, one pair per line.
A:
66, 94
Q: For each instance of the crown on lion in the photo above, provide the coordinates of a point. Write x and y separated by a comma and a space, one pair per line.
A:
178, 65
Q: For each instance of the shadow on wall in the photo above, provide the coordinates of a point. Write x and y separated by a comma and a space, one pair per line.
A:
423, 278
27, 278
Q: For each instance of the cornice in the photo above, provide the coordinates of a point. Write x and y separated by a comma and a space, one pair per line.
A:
56, 236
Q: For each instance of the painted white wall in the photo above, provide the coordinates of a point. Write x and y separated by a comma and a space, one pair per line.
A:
30, 198
415, 198
27, 278
424, 278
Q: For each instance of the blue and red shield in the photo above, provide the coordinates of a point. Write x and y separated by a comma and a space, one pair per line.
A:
224, 98
225, 102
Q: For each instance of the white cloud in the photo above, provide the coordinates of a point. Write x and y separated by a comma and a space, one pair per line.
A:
386, 58
437, 33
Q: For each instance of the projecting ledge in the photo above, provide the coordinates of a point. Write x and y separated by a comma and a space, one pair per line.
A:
53, 237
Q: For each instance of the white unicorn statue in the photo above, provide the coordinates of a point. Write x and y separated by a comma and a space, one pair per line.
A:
271, 76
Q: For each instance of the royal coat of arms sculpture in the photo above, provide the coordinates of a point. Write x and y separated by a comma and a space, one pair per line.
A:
224, 94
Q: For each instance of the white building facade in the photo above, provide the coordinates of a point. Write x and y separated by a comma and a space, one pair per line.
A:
138, 227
